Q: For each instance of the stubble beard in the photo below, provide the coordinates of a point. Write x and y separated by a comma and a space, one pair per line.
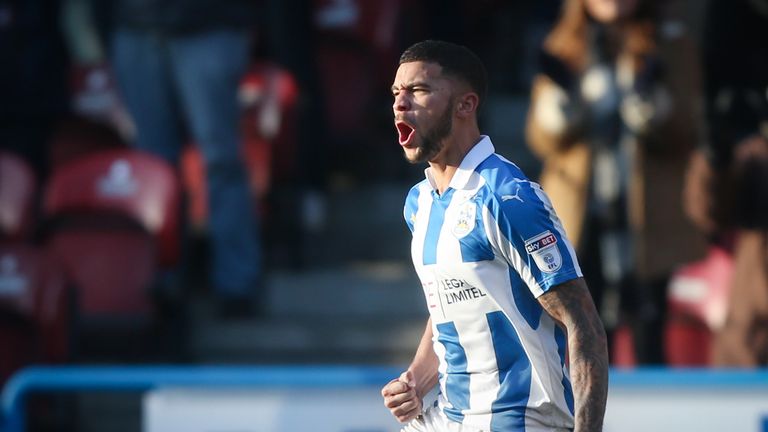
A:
432, 140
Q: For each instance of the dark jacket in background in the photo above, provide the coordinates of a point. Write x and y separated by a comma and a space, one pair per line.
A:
185, 16
736, 74
737, 105
34, 91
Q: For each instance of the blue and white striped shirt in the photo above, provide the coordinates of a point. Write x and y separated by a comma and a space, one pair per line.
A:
484, 251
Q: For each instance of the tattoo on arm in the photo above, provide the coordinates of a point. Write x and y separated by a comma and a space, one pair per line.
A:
571, 305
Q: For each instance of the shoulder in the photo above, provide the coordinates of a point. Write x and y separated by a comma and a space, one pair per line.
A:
502, 178
413, 193
412, 198
412, 203
512, 199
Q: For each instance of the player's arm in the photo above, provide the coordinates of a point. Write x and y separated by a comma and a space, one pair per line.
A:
424, 364
403, 395
571, 305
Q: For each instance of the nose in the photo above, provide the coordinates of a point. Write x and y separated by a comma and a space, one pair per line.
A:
401, 102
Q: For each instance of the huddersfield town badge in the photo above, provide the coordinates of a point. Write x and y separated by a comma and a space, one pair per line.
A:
465, 219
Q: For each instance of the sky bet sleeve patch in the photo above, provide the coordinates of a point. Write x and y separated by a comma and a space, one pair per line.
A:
543, 249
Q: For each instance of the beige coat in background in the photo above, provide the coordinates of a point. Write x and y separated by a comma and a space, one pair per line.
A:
665, 237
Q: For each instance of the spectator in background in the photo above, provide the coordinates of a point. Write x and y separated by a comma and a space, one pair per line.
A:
94, 95
178, 65
613, 117
728, 188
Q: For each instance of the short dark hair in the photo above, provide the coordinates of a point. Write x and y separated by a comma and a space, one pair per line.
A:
456, 60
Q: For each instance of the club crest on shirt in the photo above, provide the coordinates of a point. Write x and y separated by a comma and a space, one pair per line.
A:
543, 249
465, 219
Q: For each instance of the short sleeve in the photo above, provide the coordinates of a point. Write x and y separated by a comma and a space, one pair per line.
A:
524, 229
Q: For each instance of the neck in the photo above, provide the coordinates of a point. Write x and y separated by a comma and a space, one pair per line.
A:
455, 148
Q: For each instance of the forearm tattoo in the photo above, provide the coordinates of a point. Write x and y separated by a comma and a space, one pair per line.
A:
572, 306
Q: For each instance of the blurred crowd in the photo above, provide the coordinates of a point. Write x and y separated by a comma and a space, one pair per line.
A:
137, 136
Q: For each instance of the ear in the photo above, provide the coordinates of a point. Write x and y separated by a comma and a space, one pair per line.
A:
467, 104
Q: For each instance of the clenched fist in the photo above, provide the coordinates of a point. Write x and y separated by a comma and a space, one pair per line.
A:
401, 398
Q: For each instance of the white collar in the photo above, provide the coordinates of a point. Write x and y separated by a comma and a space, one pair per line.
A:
476, 155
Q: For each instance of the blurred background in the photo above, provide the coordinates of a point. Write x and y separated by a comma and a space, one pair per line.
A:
195, 182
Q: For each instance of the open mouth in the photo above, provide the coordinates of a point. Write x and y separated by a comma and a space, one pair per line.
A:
405, 133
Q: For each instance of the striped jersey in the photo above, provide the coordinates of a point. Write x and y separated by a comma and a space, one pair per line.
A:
484, 250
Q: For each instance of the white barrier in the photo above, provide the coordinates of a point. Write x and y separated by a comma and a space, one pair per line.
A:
639, 401
267, 410
681, 410
346, 398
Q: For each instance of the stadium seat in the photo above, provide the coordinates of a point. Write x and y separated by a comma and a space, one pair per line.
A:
77, 136
623, 351
34, 303
34, 309
113, 222
98, 120
371, 23
356, 47
17, 197
697, 303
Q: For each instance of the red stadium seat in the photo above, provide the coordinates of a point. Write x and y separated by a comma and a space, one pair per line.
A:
34, 309
17, 197
623, 348
349, 81
131, 184
697, 303
113, 224
98, 120
113, 270
356, 47
372, 23
76, 137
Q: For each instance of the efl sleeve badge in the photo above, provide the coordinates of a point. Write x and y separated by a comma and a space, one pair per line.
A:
543, 249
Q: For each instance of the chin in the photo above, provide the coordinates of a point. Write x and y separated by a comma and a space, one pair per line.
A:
413, 157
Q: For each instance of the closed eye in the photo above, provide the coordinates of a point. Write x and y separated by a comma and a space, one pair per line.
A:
414, 88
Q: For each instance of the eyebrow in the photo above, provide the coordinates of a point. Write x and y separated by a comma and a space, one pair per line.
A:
412, 85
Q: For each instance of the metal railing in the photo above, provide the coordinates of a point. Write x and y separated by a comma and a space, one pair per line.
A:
142, 378
40, 379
